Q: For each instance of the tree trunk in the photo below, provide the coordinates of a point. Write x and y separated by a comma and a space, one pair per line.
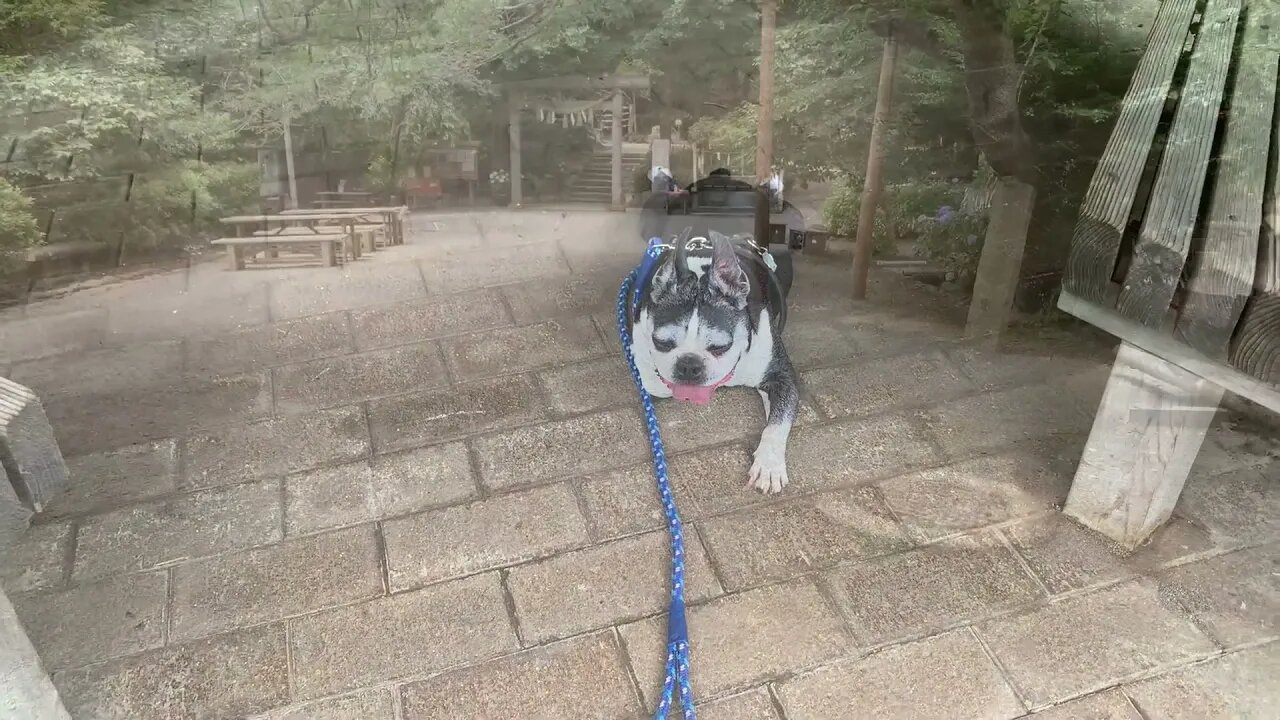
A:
764, 117
992, 75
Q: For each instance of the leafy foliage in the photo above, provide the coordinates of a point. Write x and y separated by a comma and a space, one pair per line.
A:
18, 228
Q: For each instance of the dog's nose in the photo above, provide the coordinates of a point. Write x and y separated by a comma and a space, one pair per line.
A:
689, 370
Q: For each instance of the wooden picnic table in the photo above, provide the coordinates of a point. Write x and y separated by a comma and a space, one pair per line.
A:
304, 228
392, 215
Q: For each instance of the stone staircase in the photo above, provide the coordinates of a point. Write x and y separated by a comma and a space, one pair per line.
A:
594, 184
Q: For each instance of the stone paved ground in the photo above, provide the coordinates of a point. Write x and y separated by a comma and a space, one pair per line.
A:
417, 488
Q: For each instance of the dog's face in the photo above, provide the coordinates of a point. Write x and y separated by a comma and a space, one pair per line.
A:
699, 323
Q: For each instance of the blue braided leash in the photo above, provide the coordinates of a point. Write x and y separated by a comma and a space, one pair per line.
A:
677, 627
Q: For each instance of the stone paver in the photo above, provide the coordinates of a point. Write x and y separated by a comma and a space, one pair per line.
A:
43, 336
482, 535
472, 529
225, 676
402, 635
604, 585
590, 385
1239, 506
436, 317
510, 350
1088, 642
38, 560
952, 581
183, 528
579, 294
160, 411
372, 704
350, 287
781, 540
982, 491
751, 705
621, 502
579, 445
270, 345
276, 447
881, 384
387, 485
1233, 597
109, 372
275, 582
1068, 556
857, 451
741, 639
1106, 705
1007, 416
585, 677
341, 380
1240, 686
96, 621
432, 416
118, 477
943, 677
464, 269
713, 480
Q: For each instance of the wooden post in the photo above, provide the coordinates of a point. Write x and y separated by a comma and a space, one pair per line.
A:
513, 128
764, 116
288, 161
1001, 261
28, 691
1153, 417
875, 155
615, 136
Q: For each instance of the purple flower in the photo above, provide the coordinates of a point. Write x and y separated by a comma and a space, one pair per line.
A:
945, 213
971, 240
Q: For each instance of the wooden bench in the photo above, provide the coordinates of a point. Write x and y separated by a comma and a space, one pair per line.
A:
1175, 253
364, 237
330, 245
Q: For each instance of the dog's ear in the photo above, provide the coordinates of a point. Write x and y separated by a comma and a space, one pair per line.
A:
726, 277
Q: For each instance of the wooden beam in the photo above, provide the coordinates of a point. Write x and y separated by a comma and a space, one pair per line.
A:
1152, 420
1169, 222
583, 82
872, 184
1104, 214
513, 129
1000, 266
28, 690
1225, 267
764, 113
615, 171
1165, 347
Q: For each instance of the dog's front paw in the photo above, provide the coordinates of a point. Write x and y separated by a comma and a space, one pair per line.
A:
769, 471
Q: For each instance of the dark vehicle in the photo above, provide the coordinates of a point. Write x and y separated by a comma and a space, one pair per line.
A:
723, 203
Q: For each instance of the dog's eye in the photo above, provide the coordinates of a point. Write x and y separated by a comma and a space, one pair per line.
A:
663, 345
718, 350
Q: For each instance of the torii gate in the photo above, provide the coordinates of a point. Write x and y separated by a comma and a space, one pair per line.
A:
516, 92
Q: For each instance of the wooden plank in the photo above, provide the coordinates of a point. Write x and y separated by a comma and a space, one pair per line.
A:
1166, 347
1000, 265
1152, 420
1105, 211
28, 449
1165, 239
29, 692
1255, 349
583, 82
1225, 266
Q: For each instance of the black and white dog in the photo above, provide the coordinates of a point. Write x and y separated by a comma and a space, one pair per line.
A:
710, 315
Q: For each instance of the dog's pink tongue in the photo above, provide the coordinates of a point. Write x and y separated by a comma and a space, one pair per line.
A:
696, 394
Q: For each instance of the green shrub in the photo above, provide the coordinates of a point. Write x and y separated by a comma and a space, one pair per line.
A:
18, 227
897, 214
953, 242
183, 204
